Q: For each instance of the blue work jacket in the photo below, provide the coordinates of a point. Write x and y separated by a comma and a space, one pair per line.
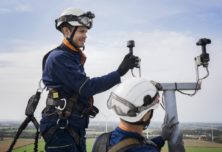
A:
64, 71
118, 135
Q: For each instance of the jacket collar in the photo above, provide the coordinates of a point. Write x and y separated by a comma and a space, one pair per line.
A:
71, 47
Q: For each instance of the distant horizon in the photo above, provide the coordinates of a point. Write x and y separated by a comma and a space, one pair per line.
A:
116, 121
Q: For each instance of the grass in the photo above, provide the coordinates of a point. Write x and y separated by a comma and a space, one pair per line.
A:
198, 147
203, 149
41, 146
28, 148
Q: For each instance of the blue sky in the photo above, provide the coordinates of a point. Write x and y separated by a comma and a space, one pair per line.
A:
165, 33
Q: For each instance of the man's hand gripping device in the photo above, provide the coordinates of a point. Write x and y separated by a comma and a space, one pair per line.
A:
130, 45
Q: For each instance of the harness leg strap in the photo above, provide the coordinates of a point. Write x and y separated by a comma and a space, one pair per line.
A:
74, 135
48, 133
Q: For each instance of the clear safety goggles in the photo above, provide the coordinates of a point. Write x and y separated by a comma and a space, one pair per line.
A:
132, 109
85, 19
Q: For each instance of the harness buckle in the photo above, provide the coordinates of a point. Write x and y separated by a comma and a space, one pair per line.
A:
64, 106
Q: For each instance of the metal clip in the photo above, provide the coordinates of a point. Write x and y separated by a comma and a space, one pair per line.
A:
62, 125
41, 86
62, 108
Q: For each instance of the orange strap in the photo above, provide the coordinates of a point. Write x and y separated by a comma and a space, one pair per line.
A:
82, 55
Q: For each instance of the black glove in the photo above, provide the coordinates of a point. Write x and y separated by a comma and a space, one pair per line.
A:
129, 62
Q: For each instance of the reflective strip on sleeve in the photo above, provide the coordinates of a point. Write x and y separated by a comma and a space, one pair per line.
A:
80, 89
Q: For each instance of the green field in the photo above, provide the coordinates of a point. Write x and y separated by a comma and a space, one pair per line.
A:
202, 149
191, 146
41, 144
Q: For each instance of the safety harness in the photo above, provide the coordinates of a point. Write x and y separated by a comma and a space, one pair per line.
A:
102, 144
63, 106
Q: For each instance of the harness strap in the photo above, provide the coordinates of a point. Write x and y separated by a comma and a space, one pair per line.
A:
74, 135
102, 143
123, 144
70, 105
47, 135
65, 107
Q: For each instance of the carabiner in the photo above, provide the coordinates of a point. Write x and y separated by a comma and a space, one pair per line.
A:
41, 87
62, 124
64, 106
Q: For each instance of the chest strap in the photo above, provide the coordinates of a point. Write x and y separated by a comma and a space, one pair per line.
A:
124, 144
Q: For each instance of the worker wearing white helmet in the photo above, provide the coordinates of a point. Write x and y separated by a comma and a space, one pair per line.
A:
74, 18
70, 100
133, 99
134, 102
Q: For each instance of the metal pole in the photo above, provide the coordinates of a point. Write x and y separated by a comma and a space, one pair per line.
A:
175, 143
212, 133
171, 110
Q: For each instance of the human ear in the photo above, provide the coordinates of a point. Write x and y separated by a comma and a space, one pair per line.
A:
66, 32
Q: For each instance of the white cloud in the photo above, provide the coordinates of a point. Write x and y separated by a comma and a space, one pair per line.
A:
15, 7
23, 8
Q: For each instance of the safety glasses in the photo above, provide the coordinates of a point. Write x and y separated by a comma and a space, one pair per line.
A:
85, 19
123, 107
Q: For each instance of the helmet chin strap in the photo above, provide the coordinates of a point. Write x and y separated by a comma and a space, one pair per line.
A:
70, 39
147, 122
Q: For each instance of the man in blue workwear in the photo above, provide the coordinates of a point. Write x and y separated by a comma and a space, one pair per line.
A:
70, 100
134, 101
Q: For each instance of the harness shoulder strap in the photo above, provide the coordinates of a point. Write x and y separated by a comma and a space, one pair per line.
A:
101, 144
124, 145
44, 59
46, 56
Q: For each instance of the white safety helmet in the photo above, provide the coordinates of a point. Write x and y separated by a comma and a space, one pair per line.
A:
75, 17
133, 98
